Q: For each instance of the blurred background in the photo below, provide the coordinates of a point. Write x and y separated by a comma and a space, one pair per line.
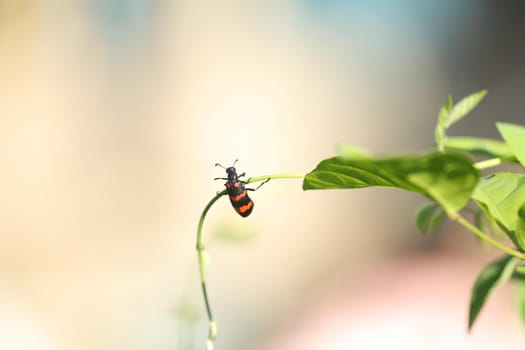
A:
113, 113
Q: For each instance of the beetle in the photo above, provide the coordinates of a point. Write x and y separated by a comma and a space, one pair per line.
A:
238, 194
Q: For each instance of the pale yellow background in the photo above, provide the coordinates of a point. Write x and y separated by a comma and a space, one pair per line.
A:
112, 114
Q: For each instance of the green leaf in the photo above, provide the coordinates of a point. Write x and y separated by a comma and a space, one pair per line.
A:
479, 218
486, 147
520, 226
494, 274
429, 218
350, 151
484, 222
520, 298
465, 106
449, 115
519, 273
501, 195
441, 126
514, 136
447, 179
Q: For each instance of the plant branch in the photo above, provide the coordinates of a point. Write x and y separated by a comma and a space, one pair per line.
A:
275, 176
202, 261
465, 223
212, 334
489, 163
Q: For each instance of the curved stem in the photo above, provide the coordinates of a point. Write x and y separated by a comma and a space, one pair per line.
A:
202, 253
465, 223
202, 259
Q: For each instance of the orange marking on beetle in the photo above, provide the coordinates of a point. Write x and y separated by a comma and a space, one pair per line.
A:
237, 184
239, 197
245, 208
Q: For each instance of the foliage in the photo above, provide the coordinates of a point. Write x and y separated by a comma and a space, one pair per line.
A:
451, 179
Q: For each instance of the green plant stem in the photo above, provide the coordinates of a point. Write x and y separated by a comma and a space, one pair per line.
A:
275, 176
202, 260
202, 253
489, 163
465, 223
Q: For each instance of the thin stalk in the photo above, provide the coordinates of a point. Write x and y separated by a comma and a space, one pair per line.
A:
202, 260
489, 163
212, 334
465, 223
275, 176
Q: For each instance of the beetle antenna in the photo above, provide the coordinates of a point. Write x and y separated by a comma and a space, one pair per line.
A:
236, 160
217, 164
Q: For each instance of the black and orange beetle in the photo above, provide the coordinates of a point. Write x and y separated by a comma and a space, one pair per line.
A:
242, 204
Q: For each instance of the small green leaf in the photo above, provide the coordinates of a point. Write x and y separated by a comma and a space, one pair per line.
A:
501, 195
350, 151
494, 274
449, 115
465, 106
429, 218
441, 126
519, 273
479, 218
486, 147
520, 226
520, 298
514, 136
447, 179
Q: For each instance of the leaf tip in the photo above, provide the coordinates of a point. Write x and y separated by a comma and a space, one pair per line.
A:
472, 317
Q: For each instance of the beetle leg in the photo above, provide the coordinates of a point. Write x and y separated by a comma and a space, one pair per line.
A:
256, 188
